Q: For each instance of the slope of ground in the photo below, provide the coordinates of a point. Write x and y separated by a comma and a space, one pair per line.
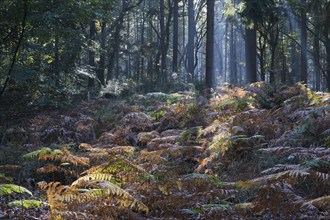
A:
257, 152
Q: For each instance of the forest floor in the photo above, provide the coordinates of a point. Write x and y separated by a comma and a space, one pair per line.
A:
257, 152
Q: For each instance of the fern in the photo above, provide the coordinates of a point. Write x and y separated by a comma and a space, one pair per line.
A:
7, 189
272, 178
282, 167
206, 208
190, 135
236, 104
321, 202
36, 153
27, 203
10, 167
120, 167
127, 200
91, 177
66, 156
72, 215
5, 178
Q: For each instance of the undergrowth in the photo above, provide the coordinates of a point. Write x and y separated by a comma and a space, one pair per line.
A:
257, 152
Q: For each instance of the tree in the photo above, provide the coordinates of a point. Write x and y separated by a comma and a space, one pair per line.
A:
17, 47
91, 53
303, 39
175, 36
191, 41
209, 74
251, 14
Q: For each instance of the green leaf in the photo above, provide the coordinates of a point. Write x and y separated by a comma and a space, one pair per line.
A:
28, 203
36, 153
7, 189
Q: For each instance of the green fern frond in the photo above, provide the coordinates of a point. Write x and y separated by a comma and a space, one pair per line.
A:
5, 178
42, 151
190, 133
315, 164
206, 208
28, 203
91, 177
204, 177
36, 153
119, 164
7, 189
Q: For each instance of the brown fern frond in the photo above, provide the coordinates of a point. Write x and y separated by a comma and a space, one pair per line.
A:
154, 157
282, 167
122, 150
49, 168
323, 177
276, 150
73, 215
10, 167
288, 175
66, 156
321, 202
54, 190
106, 188
85, 146
94, 169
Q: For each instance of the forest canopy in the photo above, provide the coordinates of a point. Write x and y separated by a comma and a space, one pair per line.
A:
52, 51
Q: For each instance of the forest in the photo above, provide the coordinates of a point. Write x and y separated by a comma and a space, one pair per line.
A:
164, 109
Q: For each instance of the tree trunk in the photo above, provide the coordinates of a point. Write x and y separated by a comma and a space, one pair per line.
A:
191, 41
91, 53
251, 55
56, 60
272, 64
162, 40
175, 36
262, 51
101, 66
209, 75
327, 76
303, 39
114, 46
317, 68
232, 56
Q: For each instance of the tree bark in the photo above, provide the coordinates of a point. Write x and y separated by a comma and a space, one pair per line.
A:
303, 39
101, 66
175, 36
91, 53
251, 55
232, 56
209, 75
191, 41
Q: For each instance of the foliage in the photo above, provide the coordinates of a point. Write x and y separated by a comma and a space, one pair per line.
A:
7, 189
195, 159
27, 203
